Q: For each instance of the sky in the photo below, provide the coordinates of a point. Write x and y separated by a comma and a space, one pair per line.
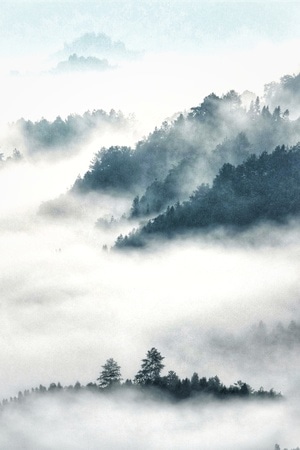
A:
151, 25
190, 49
64, 312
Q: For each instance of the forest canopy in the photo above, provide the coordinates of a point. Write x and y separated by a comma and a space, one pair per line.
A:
45, 136
172, 161
262, 188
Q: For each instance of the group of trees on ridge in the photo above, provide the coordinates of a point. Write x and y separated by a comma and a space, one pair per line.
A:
255, 347
98, 45
169, 164
262, 188
277, 447
286, 93
172, 385
149, 381
168, 174
81, 63
44, 135
93, 51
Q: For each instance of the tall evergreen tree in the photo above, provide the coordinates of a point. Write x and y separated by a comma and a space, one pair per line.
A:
110, 374
151, 368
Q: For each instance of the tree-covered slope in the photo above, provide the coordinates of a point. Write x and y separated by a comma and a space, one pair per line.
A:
174, 159
44, 135
262, 188
286, 93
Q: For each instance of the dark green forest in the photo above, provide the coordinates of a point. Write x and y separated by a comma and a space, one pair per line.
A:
221, 164
266, 187
170, 163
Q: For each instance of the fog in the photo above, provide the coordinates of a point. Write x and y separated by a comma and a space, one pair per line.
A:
67, 305
88, 421
174, 80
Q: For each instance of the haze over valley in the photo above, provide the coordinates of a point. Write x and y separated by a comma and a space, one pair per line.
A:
150, 204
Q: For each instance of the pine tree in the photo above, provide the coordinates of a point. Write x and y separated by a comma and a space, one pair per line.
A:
257, 107
151, 368
195, 382
110, 374
172, 380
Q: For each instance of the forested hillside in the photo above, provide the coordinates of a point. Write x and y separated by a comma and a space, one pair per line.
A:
262, 188
286, 93
150, 225
212, 166
169, 164
49, 136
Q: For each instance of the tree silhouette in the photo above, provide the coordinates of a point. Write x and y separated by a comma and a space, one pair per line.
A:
151, 368
264, 188
110, 374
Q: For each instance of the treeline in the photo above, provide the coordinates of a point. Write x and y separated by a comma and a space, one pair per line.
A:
255, 343
148, 380
286, 93
99, 45
44, 135
262, 188
277, 447
169, 164
286, 337
81, 63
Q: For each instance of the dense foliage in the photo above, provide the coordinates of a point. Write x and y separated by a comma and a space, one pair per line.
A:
174, 159
110, 374
45, 135
149, 381
262, 188
111, 172
286, 93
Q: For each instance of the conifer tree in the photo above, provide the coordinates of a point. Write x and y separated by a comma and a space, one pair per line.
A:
151, 368
110, 374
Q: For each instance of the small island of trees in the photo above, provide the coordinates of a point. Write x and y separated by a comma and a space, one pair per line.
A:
152, 384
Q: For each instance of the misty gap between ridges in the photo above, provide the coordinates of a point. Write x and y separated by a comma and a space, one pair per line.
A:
67, 306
